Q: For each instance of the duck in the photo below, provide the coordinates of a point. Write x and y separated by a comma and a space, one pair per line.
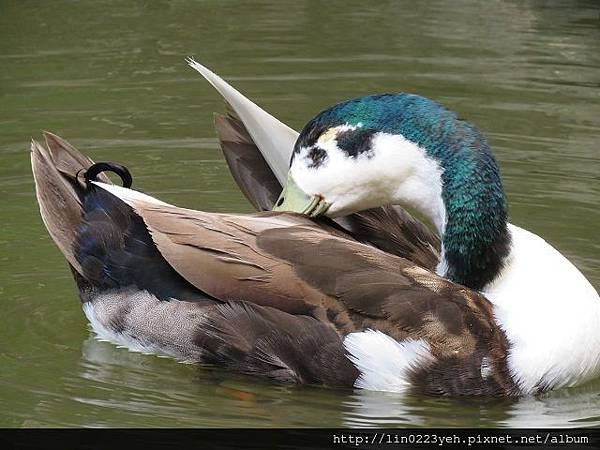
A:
332, 282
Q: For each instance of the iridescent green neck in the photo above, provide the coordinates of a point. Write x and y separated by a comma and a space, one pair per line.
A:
475, 240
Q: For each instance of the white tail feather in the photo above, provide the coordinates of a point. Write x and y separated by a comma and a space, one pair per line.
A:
129, 196
274, 139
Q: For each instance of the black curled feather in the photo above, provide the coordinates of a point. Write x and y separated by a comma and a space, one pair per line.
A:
97, 168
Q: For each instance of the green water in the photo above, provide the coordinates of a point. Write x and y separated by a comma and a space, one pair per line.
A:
110, 78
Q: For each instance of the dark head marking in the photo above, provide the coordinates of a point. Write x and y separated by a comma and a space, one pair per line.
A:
356, 142
317, 156
353, 142
310, 134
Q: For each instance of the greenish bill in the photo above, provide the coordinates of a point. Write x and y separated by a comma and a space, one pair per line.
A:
294, 199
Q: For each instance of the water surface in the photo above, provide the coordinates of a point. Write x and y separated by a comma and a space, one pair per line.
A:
110, 77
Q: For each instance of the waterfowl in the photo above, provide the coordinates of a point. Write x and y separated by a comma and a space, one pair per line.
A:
408, 150
351, 302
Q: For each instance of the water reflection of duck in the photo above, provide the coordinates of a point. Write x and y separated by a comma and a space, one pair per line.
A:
355, 302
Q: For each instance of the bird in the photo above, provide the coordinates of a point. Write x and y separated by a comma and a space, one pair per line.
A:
352, 293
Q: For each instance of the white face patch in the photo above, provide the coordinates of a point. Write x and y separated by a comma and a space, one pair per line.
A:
384, 363
394, 171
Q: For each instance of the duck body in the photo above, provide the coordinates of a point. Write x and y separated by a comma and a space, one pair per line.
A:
368, 299
274, 295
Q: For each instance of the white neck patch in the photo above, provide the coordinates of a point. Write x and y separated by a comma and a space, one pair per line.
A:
550, 314
395, 171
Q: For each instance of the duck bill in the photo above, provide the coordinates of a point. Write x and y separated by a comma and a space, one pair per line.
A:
294, 199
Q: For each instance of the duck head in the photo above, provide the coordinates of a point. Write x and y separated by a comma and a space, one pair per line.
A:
407, 150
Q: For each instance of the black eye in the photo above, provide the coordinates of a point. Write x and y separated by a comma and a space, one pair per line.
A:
316, 157
280, 201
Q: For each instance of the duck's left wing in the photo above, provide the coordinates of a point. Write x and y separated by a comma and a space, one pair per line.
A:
220, 255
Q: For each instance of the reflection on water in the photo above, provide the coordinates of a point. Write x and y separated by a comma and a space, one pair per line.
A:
127, 382
567, 408
110, 77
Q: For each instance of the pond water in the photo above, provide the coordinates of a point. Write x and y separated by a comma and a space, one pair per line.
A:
110, 77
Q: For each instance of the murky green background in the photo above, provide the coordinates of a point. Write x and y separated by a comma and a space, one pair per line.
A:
110, 77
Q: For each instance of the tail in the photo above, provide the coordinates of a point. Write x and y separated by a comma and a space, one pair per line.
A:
58, 172
274, 139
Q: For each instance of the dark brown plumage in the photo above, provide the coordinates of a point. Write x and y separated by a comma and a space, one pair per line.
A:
247, 165
268, 294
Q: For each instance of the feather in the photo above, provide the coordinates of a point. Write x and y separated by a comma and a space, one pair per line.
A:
246, 163
274, 139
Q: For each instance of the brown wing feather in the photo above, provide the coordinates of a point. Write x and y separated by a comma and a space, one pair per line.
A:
219, 255
391, 294
290, 263
247, 165
264, 341
393, 230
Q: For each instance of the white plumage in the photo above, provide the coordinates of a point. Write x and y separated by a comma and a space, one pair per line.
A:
383, 362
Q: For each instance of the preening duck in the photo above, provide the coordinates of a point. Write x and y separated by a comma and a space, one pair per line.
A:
348, 300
